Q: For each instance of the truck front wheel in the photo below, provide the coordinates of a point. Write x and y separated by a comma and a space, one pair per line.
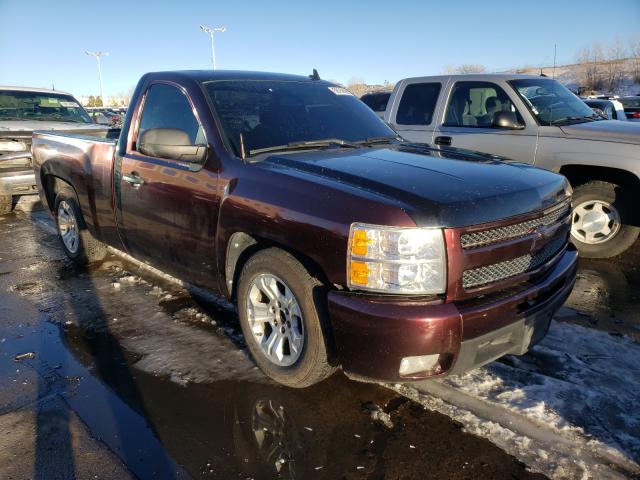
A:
77, 242
283, 319
602, 224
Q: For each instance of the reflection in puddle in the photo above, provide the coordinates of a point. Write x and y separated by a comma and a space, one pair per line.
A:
276, 439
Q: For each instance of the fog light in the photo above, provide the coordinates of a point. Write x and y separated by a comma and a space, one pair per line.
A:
413, 365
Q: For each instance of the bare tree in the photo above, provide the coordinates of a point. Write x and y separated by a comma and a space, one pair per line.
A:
614, 64
634, 51
357, 86
471, 68
464, 69
590, 60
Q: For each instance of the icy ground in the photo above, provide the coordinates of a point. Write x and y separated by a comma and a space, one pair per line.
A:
568, 409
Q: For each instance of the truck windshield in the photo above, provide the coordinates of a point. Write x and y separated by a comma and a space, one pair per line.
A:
41, 106
262, 115
552, 103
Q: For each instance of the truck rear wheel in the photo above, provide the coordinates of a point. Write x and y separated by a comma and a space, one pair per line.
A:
283, 319
602, 220
6, 203
77, 242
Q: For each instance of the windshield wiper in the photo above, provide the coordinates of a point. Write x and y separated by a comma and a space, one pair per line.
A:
380, 139
561, 121
330, 142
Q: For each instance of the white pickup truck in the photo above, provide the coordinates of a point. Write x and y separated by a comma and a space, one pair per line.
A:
535, 120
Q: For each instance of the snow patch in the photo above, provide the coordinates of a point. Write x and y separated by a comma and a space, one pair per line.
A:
568, 408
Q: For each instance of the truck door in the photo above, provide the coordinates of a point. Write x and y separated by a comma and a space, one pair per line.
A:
413, 116
168, 207
467, 122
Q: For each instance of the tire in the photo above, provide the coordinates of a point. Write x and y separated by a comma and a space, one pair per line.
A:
310, 362
6, 204
85, 249
615, 203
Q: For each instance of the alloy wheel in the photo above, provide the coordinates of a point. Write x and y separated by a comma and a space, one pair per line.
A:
68, 227
275, 319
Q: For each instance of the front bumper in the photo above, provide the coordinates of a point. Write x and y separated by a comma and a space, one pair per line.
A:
373, 333
17, 182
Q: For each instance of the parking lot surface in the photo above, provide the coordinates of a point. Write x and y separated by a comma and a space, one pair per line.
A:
112, 372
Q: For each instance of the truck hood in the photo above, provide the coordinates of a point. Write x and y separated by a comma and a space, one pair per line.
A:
605, 130
438, 187
31, 125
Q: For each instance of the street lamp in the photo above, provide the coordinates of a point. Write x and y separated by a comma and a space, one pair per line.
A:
97, 56
211, 31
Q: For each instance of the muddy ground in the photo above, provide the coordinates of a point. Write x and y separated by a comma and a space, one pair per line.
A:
112, 372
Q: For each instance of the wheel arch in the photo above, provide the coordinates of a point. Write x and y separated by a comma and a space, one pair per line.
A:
51, 185
242, 246
578, 174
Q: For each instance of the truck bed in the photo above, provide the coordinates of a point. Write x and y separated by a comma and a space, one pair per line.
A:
87, 157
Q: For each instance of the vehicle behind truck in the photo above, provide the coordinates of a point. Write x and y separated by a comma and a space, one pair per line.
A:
23, 110
535, 120
341, 244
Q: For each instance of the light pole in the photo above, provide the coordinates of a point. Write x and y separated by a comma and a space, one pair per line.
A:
211, 31
97, 56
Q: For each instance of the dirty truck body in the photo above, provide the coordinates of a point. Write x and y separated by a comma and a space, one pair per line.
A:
341, 244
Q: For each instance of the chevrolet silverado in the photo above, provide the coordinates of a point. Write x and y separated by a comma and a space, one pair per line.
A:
341, 244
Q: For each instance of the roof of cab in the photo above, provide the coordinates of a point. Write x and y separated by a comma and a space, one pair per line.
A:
212, 75
489, 77
33, 89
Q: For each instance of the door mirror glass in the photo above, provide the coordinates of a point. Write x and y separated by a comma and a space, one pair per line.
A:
508, 120
172, 144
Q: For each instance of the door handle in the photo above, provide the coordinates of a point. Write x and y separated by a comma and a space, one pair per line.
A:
134, 179
443, 141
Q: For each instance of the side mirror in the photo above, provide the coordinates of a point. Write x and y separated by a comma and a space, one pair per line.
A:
507, 120
172, 144
599, 111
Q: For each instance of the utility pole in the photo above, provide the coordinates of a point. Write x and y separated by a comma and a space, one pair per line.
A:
97, 56
211, 31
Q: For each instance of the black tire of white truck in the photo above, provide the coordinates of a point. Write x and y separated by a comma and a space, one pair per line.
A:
615, 203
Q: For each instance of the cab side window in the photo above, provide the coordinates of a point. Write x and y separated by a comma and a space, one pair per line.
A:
165, 106
417, 104
475, 104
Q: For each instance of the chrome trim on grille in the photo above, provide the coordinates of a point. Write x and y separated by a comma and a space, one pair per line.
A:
509, 232
510, 268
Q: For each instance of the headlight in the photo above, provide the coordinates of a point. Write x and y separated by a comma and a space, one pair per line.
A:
13, 146
396, 259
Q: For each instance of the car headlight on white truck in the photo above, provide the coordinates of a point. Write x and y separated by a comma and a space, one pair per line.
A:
396, 259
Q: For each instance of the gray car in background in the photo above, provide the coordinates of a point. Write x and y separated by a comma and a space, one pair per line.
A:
22, 111
535, 120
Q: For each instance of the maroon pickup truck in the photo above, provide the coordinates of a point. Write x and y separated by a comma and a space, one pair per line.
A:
341, 244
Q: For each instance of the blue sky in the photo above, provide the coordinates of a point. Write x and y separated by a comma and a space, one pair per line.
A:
43, 42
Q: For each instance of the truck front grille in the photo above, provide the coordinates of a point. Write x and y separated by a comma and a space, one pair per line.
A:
510, 268
489, 258
501, 234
